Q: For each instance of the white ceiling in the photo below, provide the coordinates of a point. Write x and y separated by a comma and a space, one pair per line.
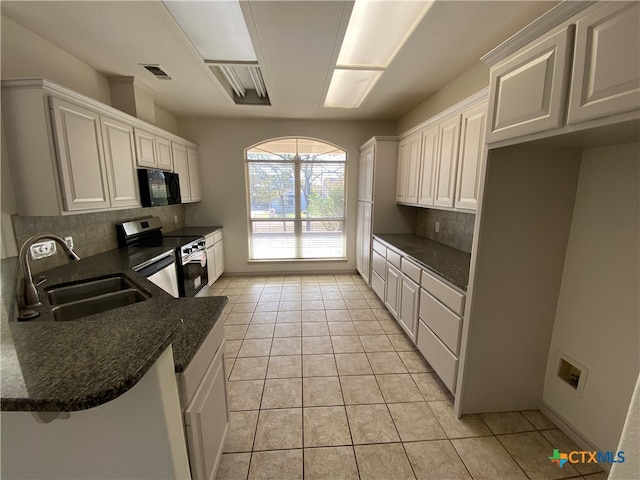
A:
296, 42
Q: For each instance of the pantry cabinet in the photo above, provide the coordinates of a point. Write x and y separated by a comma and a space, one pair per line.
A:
536, 88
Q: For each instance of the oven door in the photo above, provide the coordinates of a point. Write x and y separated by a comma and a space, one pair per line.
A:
194, 276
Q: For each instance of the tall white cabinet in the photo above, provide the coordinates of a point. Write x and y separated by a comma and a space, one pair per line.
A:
376, 210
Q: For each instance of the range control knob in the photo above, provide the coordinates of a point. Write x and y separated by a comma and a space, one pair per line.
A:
186, 250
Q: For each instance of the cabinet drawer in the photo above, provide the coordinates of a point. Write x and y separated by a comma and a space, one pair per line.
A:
442, 321
438, 355
447, 295
378, 263
377, 285
380, 248
217, 236
411, 270
393, 258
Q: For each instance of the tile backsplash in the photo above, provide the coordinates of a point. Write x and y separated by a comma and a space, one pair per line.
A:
456, 228
92, 233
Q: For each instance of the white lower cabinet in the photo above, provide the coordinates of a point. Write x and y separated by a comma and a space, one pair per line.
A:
444, 363
206, 419
408, 311
215, 255
392, 289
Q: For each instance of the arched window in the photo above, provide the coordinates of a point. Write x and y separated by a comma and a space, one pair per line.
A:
296, 199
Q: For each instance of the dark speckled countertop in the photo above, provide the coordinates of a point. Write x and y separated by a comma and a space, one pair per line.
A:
75, 365
447, 262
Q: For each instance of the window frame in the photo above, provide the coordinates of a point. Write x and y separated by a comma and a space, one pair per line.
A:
298, 219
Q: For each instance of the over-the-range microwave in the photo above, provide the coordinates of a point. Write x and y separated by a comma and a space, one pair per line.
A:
158, 187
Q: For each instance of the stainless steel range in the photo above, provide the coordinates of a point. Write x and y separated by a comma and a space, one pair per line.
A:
190, 252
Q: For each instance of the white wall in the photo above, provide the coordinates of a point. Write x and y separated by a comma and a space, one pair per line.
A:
597, 318
27, 55
8, 247
222, 144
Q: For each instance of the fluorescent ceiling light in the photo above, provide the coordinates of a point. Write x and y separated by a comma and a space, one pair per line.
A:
376, 32
378, 29
216, 29
349, 88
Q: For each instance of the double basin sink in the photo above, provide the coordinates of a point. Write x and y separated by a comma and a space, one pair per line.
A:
76, 300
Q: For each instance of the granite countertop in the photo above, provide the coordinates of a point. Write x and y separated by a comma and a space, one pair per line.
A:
447, 262
192, 231
75, 365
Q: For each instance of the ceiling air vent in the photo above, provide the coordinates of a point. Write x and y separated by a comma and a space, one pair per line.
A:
158, 72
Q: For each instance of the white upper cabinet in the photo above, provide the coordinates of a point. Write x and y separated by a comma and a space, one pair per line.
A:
448, 145
606, 63
583, 73
145, 149
163, 153
194, 174
408, 177
528, 90
474, 124
428, 161
181, 167
120, 155
80, 156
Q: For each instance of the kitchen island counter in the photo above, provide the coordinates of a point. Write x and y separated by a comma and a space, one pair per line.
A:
75, 365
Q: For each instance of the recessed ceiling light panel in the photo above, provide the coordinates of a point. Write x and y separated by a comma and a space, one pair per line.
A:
349, 88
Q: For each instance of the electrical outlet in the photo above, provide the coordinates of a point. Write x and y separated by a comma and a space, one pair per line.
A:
69, 241
43, 249
175, 219
437, 227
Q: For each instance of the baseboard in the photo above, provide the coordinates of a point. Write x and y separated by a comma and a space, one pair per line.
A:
566, 428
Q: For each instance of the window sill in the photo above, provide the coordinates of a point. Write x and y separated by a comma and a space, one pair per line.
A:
297, 260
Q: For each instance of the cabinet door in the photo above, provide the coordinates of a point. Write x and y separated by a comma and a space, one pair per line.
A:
181, 167
365, 241
206, 420
528, 90
80, 156
474, 123
606, 63
365, 175
413, 168
428, 161
145, 149
219, 260
163, 153
120, 156
408, 311
359, 236
194, 174
211, 262
448, 145
392, 290
401, 175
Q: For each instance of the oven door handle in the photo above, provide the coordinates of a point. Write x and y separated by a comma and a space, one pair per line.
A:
200, 256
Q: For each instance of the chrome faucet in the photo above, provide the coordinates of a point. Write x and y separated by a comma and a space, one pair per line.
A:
30, 293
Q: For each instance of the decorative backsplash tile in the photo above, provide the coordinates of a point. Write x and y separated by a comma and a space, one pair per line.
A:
92, 233
455, 229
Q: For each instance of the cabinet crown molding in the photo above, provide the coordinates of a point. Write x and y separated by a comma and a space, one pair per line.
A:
554, 17
477, 97
54, 89
376, 139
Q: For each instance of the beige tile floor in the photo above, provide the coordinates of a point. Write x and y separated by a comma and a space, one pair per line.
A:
323, 384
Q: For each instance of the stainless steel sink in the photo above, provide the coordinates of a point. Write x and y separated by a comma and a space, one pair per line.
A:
59, 294
77, 300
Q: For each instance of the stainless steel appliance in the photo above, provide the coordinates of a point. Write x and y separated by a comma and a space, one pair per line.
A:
190, 252
158, 187
162, 272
